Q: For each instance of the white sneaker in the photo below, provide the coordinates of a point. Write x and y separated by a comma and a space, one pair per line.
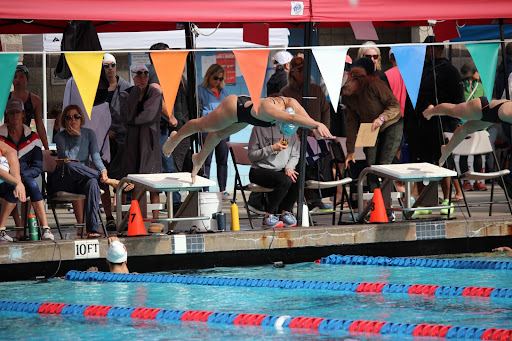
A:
4, 237
47, 234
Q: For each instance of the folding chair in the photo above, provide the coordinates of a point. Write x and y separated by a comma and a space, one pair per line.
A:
49, 165
338, 159
474, 144
240, 156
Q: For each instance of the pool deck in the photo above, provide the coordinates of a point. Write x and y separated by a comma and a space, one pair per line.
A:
26, 260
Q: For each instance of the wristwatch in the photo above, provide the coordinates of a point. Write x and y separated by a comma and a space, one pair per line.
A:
382, 119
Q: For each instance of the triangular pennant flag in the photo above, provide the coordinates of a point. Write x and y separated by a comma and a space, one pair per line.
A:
331, 62
86, 70
8, 63
253, 64
406, 57
169, 67
485, 56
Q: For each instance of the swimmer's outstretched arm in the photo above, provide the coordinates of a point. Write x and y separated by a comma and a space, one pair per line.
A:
301, 117
459, 135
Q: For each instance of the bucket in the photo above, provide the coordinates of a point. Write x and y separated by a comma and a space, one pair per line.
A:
208, 204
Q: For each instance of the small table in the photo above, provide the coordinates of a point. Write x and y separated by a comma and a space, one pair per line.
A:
160, 182
424, 172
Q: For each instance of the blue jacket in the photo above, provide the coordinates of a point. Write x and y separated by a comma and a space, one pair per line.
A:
29, 151
208, 99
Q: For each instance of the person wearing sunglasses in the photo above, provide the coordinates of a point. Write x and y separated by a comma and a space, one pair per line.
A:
235, 113
371, 51
76, 145
211, 93
141, 106
32, 103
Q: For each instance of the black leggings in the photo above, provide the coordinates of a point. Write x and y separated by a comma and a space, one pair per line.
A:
285, 194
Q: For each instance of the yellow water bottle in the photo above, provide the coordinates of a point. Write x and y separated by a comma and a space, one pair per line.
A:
235, 219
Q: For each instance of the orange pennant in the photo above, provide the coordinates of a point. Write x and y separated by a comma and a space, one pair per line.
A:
169, 66
253, 64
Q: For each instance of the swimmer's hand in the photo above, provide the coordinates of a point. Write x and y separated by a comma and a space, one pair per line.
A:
321, 131
503, 249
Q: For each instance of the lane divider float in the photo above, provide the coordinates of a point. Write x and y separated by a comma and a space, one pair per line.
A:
313, 324
382, 288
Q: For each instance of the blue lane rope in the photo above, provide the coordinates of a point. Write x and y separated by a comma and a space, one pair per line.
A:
312, 324
385, 288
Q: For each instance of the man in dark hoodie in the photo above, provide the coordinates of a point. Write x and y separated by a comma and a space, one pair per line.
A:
280, 78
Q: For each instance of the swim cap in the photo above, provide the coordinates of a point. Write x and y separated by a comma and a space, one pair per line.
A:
288, 128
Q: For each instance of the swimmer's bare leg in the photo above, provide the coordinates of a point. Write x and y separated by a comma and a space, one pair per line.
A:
210, 143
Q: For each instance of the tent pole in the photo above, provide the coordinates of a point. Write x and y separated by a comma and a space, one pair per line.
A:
45, 96
308, 42
190, 43
504, 58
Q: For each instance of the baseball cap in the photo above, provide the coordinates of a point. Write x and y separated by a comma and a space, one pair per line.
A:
14, 104
282, 57
116, 252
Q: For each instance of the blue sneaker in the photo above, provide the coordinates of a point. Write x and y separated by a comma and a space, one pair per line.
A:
271, 221
321, 207
288, 220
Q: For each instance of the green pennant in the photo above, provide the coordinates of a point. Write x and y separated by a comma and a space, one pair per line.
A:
485, 56
8, 62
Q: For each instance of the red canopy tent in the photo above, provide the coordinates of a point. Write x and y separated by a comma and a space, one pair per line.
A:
37, 16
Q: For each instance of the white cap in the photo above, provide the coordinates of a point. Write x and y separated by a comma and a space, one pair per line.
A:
138, 67
108, 58
282, 57
116, 252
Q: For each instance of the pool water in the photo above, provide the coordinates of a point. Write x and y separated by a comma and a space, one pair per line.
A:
458, 311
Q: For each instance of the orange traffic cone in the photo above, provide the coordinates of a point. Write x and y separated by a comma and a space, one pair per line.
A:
135, 223
378, 213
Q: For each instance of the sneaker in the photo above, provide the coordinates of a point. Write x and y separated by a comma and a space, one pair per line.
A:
444, 211
391, 216
271, 221
467, 186
4, 237
225, 196
111, 225
288, 220
47, 234
319, 207
479, 186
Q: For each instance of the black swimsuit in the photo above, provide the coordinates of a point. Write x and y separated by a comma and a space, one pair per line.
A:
243, 113
490, 114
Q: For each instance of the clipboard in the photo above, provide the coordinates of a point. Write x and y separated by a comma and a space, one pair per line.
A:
365, 136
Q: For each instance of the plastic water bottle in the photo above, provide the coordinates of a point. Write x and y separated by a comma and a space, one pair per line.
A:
33, 229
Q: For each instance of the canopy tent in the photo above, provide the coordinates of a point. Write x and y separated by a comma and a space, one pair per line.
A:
36, 16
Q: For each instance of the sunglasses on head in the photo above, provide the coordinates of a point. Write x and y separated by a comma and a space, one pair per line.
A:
215, 78
76, 117
106, 66
140, 73
372, 56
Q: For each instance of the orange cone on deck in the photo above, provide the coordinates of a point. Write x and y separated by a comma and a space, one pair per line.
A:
135, 223
378, 213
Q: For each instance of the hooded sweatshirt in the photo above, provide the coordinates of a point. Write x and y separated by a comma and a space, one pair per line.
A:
262, 155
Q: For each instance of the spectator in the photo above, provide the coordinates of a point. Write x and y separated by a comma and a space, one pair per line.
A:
319, 110
117, 130
211, 92
280, 77
499, 83
440, 83
274, 157
369, 100
473, 88
32, 103
56, 114
141, 106
28, 146
76, 143
371, 51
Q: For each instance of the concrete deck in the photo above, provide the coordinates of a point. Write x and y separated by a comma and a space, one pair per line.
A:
25, 260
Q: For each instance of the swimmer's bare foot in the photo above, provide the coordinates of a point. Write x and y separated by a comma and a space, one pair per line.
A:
195, 167
443, 157
427, 113
170, 144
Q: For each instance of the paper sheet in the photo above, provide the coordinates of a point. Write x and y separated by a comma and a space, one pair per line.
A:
365, 136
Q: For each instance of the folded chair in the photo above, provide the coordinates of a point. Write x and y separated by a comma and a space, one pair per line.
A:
240, 156
62, 197
474, 144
